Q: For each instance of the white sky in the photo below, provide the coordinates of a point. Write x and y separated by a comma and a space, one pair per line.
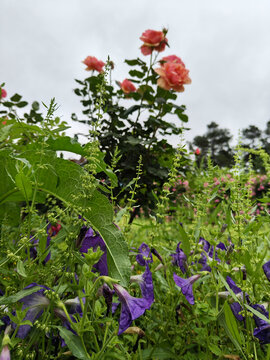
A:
224, 44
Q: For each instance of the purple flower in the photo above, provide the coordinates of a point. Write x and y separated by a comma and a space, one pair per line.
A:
94, 241
235, 306
266, 269
144, 257
208, 254
131, 307
36, 303
5, 353
145, 282
186, 286
179, 258
262, 331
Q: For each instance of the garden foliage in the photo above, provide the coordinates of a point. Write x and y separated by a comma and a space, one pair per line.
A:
78, 281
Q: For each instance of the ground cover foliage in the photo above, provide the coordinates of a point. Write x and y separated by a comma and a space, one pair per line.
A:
188, 278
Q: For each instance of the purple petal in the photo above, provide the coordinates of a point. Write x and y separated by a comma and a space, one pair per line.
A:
146, 284
179, 258
206, 244
94, 241
186, 286
266, 269
263, 334
36, 302
258, 321
144, 257
232, 285
131, 308
5, 353
236, 308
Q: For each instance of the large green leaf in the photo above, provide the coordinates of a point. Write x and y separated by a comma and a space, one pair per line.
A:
63, 179
74, 343
6, 300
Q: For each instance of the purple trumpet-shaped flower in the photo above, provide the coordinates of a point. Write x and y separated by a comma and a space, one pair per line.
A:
145, 282
235, 306
179, 258
36, 303
208, 254
266, 269
186, 286
5, 353
262, 331
144, 257
94, 241
131, 307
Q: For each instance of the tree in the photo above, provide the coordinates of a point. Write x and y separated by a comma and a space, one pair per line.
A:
215, 142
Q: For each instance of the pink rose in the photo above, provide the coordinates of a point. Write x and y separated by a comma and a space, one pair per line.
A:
197, 151
173, 76
3, 93
93, 63
127, 86
171, 58
153, 40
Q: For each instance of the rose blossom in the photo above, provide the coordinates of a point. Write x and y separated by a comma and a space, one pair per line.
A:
197, 151
93, 63
153, 40
171, 58
127, 86
3, 93
173, 76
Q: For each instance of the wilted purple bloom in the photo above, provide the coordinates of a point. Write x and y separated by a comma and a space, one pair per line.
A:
266, 269
186, 286
179, 258
106, 291
262, 331
157, 254
5, 353
36, 303
144, 257
145, 282
94, 241
131, 307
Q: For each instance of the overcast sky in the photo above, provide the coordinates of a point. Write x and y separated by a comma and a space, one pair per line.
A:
224, 44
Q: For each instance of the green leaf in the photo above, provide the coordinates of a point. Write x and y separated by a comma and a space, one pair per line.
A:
136, 73
21, 269
257, 313
215, 349
180, 115
24, 185
231, 323
223, 323
185, 241
63, 179
5, 131
6, 300
16, 97
22, 104
74, 343
135, 62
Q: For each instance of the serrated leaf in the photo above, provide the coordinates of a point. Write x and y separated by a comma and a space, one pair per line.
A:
74, 343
